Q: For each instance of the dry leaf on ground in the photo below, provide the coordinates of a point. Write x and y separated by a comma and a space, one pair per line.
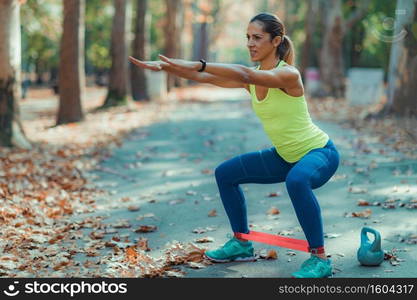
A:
273, 211
146, 228
361, 214
212, 213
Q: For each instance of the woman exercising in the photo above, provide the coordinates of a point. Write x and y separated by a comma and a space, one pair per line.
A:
302, 154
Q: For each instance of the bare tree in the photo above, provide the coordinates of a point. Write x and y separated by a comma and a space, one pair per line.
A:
138, 78
71, 65
11, 130
118, 81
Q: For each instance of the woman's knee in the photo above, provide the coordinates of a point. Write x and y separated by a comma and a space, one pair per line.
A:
219, 172
222, 172
296, 180
228, 170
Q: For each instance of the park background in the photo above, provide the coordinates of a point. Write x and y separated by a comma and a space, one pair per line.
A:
70, 104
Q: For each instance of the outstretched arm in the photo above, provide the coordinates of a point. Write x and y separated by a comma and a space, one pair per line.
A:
284, 77
188, 74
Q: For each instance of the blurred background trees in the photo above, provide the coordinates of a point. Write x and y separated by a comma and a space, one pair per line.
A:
11, 131
330, 36
71, 64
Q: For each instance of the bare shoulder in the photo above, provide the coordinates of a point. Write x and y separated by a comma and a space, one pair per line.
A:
290, 69
293, 76
290, 74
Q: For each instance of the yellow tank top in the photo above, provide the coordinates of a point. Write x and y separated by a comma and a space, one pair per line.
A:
287, 123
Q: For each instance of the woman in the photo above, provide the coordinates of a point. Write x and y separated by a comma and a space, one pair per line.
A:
302, 154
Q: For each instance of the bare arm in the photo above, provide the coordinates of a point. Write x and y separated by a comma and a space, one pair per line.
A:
284, 77
203, 77
188, 74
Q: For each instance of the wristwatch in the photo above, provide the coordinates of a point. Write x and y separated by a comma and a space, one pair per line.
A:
203, 66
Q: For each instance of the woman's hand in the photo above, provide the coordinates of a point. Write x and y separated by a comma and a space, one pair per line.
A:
182, 64
150, 65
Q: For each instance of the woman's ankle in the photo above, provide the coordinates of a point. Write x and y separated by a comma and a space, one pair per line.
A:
238, 237
318, 251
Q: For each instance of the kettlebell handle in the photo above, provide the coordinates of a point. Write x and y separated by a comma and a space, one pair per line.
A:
376, 245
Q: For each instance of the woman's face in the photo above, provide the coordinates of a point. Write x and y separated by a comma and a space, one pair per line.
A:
259, 43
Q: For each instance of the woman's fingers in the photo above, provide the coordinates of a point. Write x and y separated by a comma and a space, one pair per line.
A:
146, 65
138, 62
166, 59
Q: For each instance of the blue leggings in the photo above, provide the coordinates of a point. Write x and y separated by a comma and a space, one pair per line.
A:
266, 166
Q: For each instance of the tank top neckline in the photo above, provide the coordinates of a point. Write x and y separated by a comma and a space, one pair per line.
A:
278, 65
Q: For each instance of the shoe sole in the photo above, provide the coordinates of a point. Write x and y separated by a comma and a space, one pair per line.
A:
330, 276
237, 259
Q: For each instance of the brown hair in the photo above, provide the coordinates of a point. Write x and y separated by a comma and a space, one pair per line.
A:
275, 27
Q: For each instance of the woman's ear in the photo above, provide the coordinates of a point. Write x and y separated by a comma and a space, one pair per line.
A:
277, 41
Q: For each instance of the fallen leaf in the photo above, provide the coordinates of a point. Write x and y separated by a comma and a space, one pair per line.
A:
204, 240
286, 232
148, 215
273, 211
362, 214
131, 255
96, 235
143, 244
133, 208
146, 228
268, 254
199, 230
122, 224
274, 194
362, 202
212, 213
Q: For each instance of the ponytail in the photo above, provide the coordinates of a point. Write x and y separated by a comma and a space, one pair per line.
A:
285, 50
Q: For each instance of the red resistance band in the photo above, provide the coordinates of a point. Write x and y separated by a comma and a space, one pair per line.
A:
280, 241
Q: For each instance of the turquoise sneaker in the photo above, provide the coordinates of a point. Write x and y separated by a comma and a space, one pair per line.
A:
314, 267
233, 250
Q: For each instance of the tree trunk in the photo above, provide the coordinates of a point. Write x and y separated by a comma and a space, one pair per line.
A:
200, 47
138, 78
71, 65
118, 77
200, 32
178, 81
331, 59
402, 74
331, 56
308, 29
11, 130
171, 34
